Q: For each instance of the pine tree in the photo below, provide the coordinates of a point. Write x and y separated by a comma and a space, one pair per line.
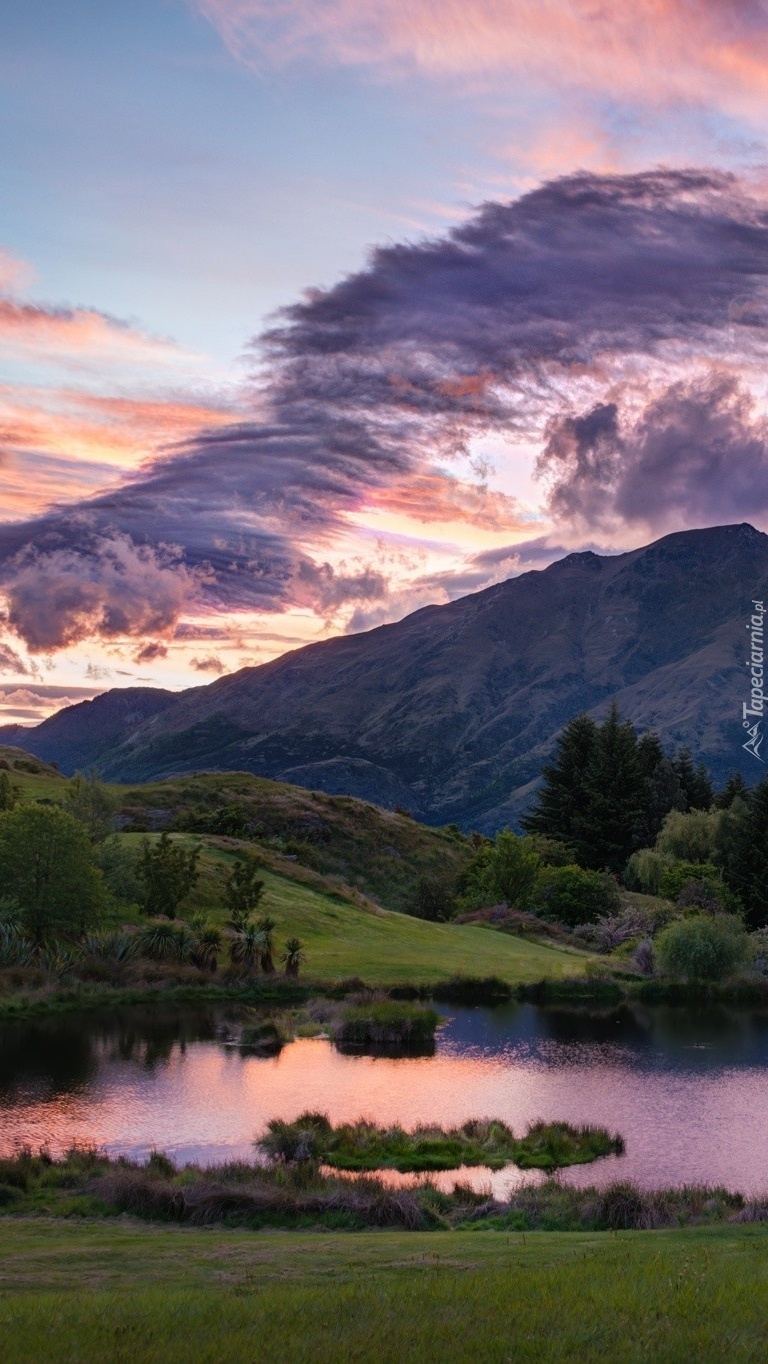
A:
661, 790
694, 782
604, 829
735, 788
748, 871
563, 793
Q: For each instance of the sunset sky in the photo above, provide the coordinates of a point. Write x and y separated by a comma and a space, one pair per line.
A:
315, 311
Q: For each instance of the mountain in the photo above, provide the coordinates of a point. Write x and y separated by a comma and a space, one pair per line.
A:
452, 711
79, 736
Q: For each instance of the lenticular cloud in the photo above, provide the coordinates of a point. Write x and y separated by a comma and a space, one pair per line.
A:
602, 316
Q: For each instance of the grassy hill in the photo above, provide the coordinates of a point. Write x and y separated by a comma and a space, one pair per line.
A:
34, 779
336, 871
346, 935
379, 852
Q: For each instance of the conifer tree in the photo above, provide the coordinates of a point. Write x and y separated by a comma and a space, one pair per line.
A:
604, 828
661, 790
748, 871
563, 793
735, 788
694, 782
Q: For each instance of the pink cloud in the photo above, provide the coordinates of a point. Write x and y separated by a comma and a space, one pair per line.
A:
656, 50
59, 597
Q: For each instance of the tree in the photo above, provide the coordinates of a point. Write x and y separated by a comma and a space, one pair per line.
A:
691, 837
246, 946
572, 895
735, 789
47, 866
504, 870
169, 873
661, 789
266, 927
563, 792
695, 784
604, 827
9, 792
747, 864
243, 890
92, 804
706, 947
205, 949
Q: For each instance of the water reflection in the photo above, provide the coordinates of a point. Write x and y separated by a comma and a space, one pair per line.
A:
688, 1090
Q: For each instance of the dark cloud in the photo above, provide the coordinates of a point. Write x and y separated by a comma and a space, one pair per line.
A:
11, 662
209, 664
149, 652
697, 453
493, 327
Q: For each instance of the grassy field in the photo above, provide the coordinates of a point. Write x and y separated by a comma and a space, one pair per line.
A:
381, 946
123, 1293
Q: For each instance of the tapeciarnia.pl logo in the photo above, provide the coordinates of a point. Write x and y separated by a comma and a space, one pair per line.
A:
753, 710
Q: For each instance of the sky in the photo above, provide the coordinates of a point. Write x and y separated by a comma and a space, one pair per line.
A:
314, 312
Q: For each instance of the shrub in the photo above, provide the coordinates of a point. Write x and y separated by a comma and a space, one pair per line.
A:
678, 874
573, 896
433, 898
706, 947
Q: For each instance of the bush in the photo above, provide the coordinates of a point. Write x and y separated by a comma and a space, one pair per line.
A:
678, 874
434, 898
573, 896
706, 947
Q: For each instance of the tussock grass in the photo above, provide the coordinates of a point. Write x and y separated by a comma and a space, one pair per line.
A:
385, 1025
366, 1146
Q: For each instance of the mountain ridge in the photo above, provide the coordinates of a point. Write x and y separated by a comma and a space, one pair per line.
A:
452, 710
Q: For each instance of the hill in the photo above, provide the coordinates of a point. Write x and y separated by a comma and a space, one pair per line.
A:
452, 711
379, 854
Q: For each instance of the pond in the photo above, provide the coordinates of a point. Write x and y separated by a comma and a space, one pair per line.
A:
688, 1090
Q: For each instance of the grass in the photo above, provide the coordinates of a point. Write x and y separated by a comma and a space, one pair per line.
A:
378, 852
292, 1191
381, 947
366, 1146
178, 1296
385, 1025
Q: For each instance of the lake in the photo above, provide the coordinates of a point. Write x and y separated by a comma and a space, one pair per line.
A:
688, 1090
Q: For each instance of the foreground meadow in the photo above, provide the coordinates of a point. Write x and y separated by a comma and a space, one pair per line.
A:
121, 1292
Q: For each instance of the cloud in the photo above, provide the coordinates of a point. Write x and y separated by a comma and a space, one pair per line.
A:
71, 335
11, 662
209, 664
434, 496
477, 572
655, 51
589, 292
697, 453
106, 588
149, 652
15, 274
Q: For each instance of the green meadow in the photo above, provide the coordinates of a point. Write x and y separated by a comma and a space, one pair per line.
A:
123, 1293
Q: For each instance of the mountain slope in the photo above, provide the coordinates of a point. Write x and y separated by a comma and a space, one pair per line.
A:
453, 710
80, 735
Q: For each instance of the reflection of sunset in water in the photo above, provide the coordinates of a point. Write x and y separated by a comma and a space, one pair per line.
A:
690, 1097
